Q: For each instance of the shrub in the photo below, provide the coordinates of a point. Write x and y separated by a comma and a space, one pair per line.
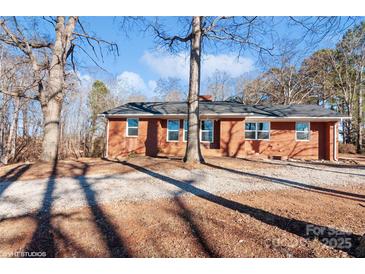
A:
347, 148
99, 147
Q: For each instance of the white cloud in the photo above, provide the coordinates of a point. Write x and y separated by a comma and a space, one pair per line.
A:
84, 80
168, 65
152, 84
131, 82
226, 63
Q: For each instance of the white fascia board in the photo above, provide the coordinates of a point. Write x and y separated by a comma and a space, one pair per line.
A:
293, 118
147, 115
247, 116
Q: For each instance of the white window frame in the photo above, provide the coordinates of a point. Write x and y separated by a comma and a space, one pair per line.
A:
309, 131
257, 130
201, 131
244, 128
127, 127
185, 131
167, 131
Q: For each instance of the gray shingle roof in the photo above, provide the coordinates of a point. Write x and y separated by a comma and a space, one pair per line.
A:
222, 107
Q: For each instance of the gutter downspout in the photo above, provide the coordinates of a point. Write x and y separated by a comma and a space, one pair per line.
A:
335, 141
107, 140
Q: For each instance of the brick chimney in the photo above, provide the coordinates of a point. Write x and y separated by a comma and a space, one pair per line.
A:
205, 98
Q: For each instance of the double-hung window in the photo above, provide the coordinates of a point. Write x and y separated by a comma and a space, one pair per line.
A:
250, 131
132, 127
257, 130
173, 130
185, 134
302, 131
206, 131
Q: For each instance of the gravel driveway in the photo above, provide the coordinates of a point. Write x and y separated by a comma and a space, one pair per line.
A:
32, 196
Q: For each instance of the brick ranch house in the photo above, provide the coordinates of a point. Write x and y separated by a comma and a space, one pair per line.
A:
227, 129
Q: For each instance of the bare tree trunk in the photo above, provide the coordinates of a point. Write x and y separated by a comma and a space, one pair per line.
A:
92, 138
25, 120
359, 118
348, 125
62, 150
1, 138
85, 140
51, 120
52, 98
11, 141
193, 153
2, 130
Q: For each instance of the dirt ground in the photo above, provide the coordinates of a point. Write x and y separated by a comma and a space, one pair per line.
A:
318, 222
256, 224
354, 158
72, 168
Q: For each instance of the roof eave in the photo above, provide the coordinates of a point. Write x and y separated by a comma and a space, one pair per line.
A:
299, 118
249, 116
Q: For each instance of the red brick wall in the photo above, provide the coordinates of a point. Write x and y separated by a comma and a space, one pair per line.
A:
121, 145
170, 148
228, 140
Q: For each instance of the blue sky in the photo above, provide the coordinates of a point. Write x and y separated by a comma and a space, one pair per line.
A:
142, 64
139, 64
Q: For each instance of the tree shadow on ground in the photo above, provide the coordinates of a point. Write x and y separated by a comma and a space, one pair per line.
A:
11, 176
300, 228
187, 216
294, 184
15, 173
43, 238
107, 230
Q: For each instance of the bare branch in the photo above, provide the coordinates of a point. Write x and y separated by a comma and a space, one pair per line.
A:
23, 44
19, 93
171, 39
91, 58
51, 20
214, 23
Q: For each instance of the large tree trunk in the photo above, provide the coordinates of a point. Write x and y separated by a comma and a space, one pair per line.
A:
51, 121
193, 153
52, 97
